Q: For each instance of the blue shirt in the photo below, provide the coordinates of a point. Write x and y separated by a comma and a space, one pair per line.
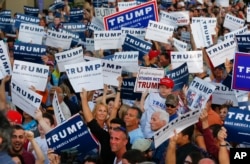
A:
5, 158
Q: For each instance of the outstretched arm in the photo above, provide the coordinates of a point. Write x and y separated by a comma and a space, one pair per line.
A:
88, 116
3, 101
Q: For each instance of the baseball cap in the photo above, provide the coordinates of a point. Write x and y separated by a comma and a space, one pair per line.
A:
167, 82
153, 53
172, 99
142, 144
50, 63
14, 116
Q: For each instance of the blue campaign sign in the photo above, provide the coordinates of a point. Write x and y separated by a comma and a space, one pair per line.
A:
29, 52
136, 17
72, 136
243, 42
5, 13
97, 3
241, 71
237, 124
245, 105
5, 23
76, 15
132, 43
77, 28
33, 11
127, 89
22, 18
180, 76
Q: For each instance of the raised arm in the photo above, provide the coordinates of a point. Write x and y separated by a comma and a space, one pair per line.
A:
223, 152
171, 150
40, 157
117, 101
42, 123
88, 116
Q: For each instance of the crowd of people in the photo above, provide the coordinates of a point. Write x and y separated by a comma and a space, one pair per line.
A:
124, 128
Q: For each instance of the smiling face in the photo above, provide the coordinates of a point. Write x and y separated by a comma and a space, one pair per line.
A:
17, 141
101, 112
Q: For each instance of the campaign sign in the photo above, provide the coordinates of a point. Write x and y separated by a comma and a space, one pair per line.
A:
87, 75
223, 94
198, 93
58, 39
107, 39
71, 56
111, 71
22, 18
182, 17
222, 3
180, 76
127, 89
5, 66
75, 38
72, 135
137, 17
148, 79
241, 96
178, 124
211, 22
32, 74
57, 110
159, 31
78, 28
243, 42
5, 13
232, 22
128, 60
218, 53
31, 33
232, 34
101, 12
89, 44
76, 15
237, 125
168, 18
96, 24
245, 105
126, 5
29, 52
137, 32
180, 45
194, 60
23, 97
4, 23
132, 43
241, 71
32, 11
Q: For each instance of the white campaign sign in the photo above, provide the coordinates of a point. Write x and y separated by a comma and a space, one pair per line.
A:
58, 39
128, 60
137, 32
159, 32
148, 79
26, 99
87, 75
194, 60
57, 110
240, 31
5, 66
31, 33
69, 57
111, 71
107, 40
233, 23
222, 51
32, 74
167, 18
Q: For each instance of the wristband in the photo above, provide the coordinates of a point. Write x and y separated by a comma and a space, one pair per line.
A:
223, 145
118, 90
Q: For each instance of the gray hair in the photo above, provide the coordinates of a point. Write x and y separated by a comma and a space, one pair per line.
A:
163, 115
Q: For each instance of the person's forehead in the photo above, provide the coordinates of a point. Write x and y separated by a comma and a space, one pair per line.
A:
156, 115
18, 132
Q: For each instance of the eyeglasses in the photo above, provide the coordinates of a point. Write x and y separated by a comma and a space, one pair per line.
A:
170, 105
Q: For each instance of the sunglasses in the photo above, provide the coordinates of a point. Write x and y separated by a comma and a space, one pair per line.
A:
170, 105
119, 128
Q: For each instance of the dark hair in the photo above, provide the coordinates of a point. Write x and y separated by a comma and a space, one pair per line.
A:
196, 156
93, 158
139, 112
118, 121
134, 156
49, 117
215, 129
5, 132
17, 127
110, 99
188, 131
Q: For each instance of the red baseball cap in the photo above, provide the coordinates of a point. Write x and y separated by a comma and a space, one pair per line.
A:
14, 116
153, 53
167, 82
